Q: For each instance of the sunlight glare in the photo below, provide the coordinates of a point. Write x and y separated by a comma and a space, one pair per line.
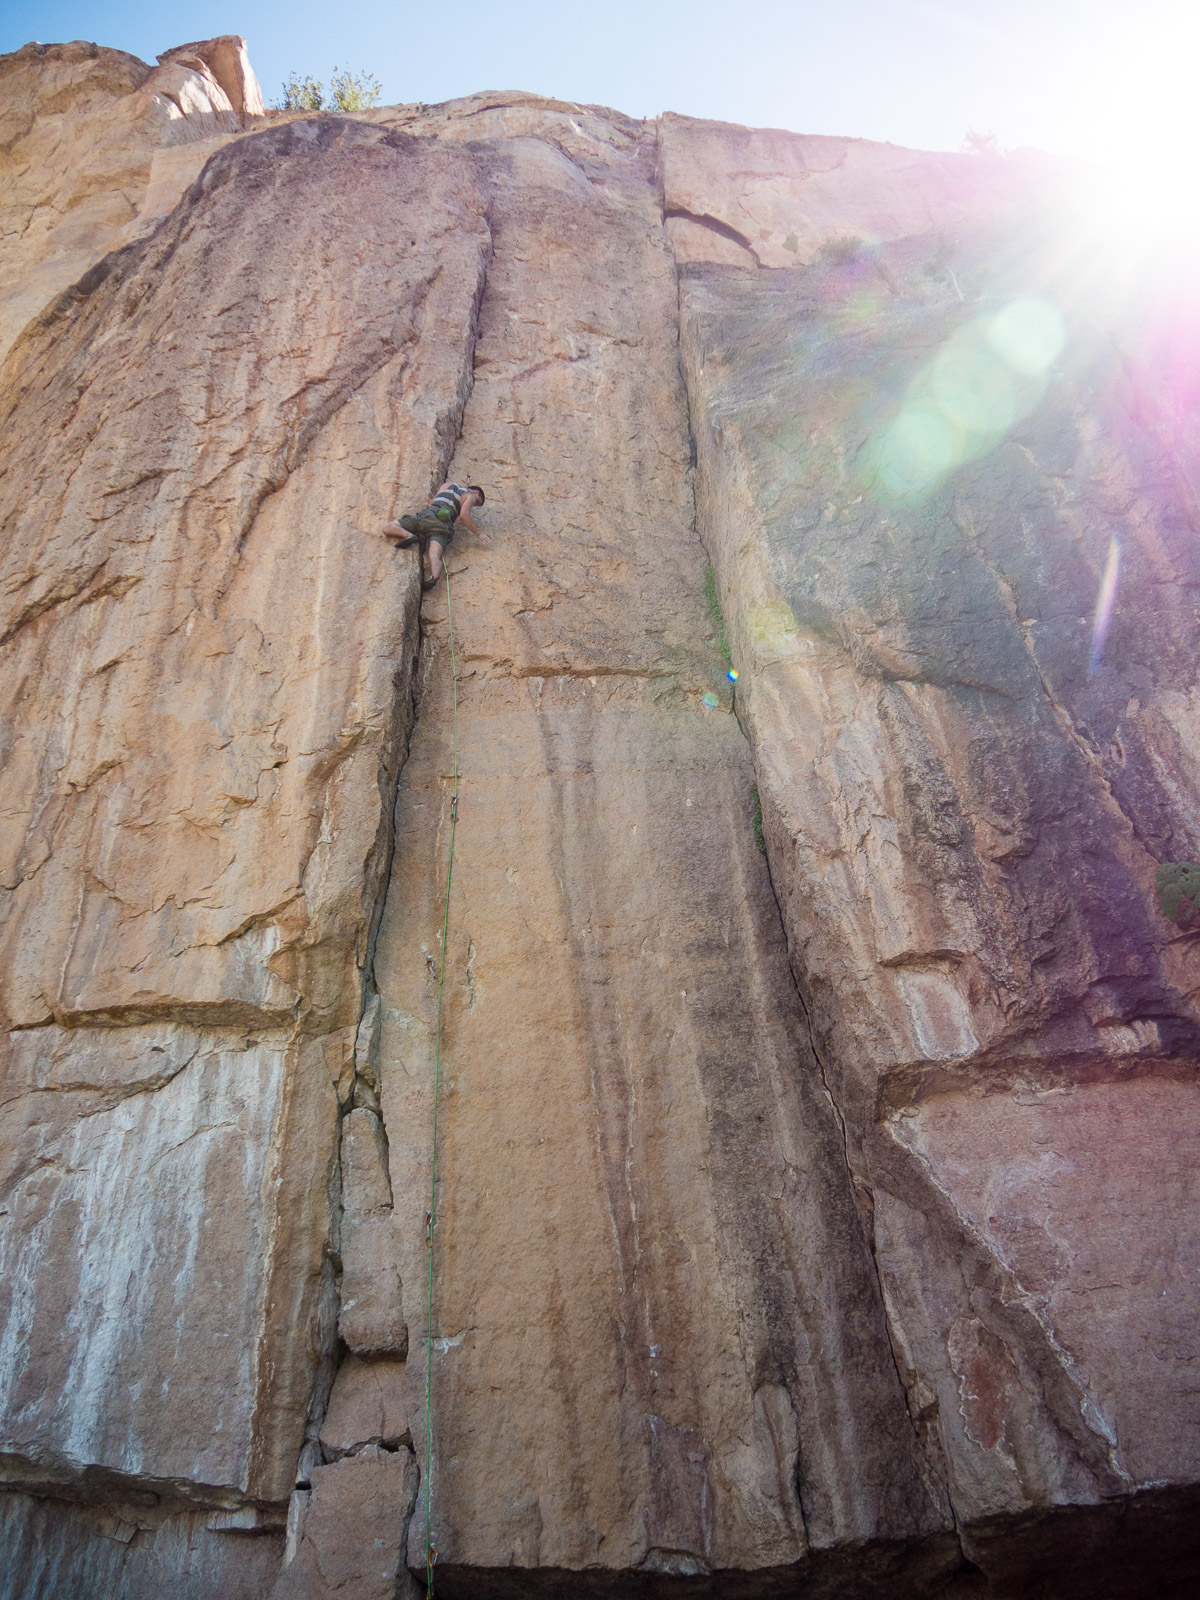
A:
1028, 335
1138, 120
987, 376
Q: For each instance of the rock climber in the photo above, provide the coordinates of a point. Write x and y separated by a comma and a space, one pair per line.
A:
433, 528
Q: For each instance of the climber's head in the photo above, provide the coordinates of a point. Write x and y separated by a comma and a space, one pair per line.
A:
480, 497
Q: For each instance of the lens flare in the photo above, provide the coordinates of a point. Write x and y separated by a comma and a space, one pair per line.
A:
987, 377
1135, 122
974, 390
771, 627
1105, 600
1028, 334
918, 450
732, 675
709, 699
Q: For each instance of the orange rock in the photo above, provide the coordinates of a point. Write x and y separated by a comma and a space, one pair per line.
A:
818, 1218
201, 740
93, 159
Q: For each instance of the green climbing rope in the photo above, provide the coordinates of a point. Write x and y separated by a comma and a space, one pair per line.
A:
430, 1549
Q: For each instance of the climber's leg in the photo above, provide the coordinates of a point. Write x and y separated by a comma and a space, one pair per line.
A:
429, 531
396, 531
418, 525
436, 553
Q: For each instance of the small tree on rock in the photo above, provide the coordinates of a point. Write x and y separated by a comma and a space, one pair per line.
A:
302, 94
348, 91
353, 91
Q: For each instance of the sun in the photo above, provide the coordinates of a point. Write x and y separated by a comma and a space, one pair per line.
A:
1137, 118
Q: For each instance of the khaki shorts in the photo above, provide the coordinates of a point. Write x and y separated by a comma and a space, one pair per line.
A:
429, 526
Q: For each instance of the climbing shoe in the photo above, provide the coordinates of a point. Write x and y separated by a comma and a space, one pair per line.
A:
415, 537
428, 583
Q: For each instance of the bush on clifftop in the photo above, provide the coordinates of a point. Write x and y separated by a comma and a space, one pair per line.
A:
348, 91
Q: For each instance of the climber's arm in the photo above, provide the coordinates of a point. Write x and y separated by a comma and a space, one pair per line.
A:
464, 516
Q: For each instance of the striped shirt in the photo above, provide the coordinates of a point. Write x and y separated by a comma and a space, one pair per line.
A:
449, 499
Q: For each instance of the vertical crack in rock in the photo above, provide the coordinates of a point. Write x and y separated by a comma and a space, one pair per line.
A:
686, 389
855, 1184
366, 1318
297, 636
363, 1095
859, 1187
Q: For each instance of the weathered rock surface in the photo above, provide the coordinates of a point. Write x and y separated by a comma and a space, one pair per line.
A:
366, 1406
646, 1250
96, 148
53, 1547
827, 1225
348, 1530
965, 801
174, 1099
160, 1254
371, 1310
226, 61
259, 822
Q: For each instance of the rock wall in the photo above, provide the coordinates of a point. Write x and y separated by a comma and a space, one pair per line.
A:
820, 1214
96, 148
966, 801
209, 797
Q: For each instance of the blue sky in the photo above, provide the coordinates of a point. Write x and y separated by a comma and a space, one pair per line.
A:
1052, 73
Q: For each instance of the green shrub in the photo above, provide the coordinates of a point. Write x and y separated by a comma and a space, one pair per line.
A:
348, 91
302, 94
1178, 885
353, 91
840, 252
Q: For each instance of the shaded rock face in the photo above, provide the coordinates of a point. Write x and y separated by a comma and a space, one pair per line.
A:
823, 1216
967, 792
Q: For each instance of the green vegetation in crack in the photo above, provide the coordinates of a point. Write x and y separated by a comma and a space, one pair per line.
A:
718, 616
1178, 885
760, 842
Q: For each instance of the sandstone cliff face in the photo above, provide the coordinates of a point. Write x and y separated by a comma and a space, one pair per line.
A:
823, 1216
96, 147
966, 808
178, 1097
